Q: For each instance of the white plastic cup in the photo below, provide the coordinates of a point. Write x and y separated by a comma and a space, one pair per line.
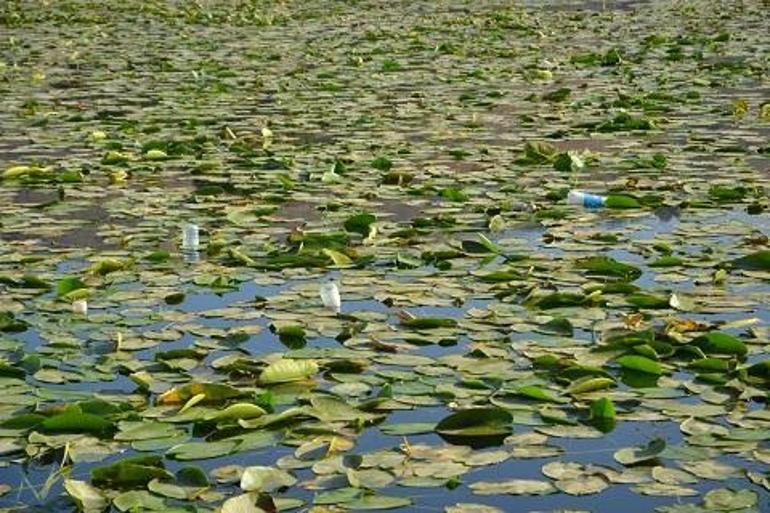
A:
330, 296
80, 307
190, 237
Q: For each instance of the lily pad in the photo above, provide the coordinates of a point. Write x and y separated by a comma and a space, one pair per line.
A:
634, 455
476, 422
287, 370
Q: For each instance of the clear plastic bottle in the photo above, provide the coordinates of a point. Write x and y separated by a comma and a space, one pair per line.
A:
190, 237
585, 199
330, 296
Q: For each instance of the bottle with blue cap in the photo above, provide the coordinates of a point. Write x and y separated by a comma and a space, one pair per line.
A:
586, 199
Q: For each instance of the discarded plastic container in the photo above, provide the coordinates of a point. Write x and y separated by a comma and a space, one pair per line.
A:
190, 237
330, 296
80, 307
585, 199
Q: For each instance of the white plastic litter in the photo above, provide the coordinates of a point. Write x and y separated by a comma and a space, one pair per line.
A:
80, 307
190, 237
330, 296
585, 199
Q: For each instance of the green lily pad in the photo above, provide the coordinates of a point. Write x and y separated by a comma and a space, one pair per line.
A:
360, 223
265, 479
513, 487
717, 342
726, 499
139, 500
609, 267
640, 364
66, 286
476, 422
201, 450
621, 201
287, 370
133, 472
759, 261
76, 422
292, 337
88, 498
634, 455
428, 323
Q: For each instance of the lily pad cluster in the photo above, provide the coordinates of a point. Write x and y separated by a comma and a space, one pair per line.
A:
498, 348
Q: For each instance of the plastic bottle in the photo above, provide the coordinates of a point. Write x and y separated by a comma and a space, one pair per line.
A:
330, 296
190, 236
80, 307
585, 199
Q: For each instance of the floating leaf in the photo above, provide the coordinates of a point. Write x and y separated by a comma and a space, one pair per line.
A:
717, 342
539, 394
133, 431
590, 384
759, 261
88, 498
538, 152
558, 326
212, 393
265, 479
584, 485
667, 261
76, 422
360, 223
621, 201
139, 500
245, 503
476, 422
513, 487
726, 499
292, 337
650, 301
287, 370
239, 411
408, 428
454, 194
559, 300
665, 490
723, 193
634, 455
466, 507
640, 364
339, 259
66, 286
133, 472
428, 323
608, 267
10, 324
568, 161
558, 95
602, 408
673, 476
382, 164
202, 450
377, 502
156, 155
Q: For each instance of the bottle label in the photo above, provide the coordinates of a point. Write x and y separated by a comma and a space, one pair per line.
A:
593, 201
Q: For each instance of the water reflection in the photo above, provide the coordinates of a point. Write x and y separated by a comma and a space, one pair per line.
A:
668, 213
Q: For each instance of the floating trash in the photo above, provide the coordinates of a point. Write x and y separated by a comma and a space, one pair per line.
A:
496, 340
190, 242
80, 307
586, 199
190, 237
330, 296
